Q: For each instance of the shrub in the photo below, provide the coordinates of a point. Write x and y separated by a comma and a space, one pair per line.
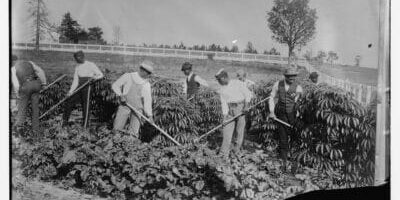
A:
336, 133
210, 56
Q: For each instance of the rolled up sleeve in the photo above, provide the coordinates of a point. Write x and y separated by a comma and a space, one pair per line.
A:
119, 83
97, 72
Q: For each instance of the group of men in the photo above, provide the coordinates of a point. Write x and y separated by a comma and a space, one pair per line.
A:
134, 91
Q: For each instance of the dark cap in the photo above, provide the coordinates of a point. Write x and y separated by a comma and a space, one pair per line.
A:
314, 75
78, 53
186, 66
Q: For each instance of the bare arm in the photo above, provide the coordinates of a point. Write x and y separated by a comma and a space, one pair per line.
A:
119, 83
40, 73
271, 101
74, 84
14, 80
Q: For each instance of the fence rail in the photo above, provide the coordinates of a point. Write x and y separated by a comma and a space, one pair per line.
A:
363, 93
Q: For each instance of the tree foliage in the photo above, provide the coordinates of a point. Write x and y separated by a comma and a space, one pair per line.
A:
292, 22
332, 57
250, 48
69, 29
72, 32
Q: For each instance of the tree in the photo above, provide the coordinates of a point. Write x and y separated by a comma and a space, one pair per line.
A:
292, 22
273, 51
320, 56
181, 46
357, 59
212, 47
69, 29
308, 55
235, 49
82, 36
226, 49
41, 25
332, 56
250, 48
95, 35
117, 34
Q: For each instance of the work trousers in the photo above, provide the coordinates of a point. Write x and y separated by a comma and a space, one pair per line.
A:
121, 118
82, 96
284, 132
236, 126
29, 91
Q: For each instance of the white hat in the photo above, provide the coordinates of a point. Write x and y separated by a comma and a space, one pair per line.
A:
148, 66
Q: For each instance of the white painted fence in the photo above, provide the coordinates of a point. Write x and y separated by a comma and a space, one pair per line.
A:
363, 93
126, 50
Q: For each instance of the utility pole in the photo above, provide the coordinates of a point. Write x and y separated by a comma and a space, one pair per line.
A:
382, 149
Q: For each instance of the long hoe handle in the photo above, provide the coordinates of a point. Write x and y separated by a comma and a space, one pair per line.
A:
66, 98
155, 126
55, 81
230, 120
283, 122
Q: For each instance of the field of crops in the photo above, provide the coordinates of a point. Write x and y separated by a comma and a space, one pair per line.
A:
333, 140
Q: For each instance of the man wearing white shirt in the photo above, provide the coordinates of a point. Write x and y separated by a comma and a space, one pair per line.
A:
84, 72
27, 80
192, 81
286, 92
134, 89
242, 76
235, 98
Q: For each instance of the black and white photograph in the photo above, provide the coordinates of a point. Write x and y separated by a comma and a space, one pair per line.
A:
199, 99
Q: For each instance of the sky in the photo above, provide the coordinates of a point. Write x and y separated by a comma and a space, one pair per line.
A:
343, 26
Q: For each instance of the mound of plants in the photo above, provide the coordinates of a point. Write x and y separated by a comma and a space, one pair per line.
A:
336, 133
116, 165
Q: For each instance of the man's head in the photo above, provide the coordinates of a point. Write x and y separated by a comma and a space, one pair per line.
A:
222, 77
241, 75
79, 57
290, 75
314, 77
187, 68
146, 68
13, 60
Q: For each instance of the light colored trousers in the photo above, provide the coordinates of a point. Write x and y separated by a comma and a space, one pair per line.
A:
236, 126
122, 116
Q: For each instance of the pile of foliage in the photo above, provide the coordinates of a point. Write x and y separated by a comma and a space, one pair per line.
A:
108, 163
336, 134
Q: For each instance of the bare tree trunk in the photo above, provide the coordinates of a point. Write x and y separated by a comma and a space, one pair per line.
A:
37, 26
290, 54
